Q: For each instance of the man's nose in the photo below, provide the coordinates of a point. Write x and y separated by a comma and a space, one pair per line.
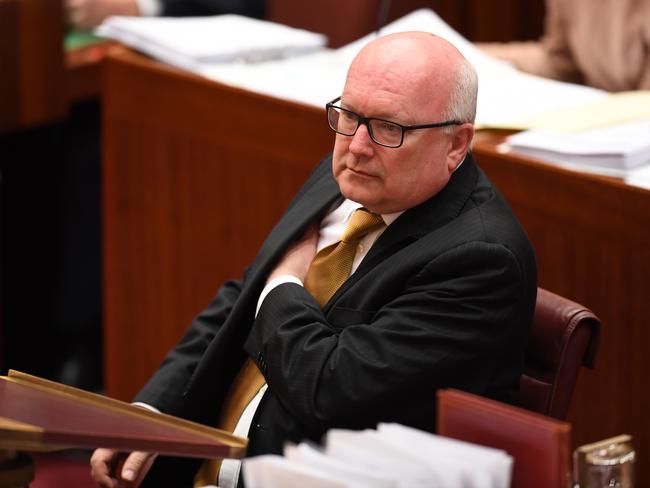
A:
361, 144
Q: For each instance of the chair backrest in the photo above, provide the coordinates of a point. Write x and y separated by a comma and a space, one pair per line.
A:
563, 338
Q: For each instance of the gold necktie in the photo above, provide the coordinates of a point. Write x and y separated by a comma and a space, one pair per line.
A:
329, 269
332, 265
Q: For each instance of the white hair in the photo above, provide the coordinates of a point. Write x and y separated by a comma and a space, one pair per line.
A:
462, 102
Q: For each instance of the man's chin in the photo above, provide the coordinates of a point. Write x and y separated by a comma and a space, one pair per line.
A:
362, 195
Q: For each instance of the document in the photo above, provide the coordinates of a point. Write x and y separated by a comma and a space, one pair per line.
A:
393, 456
614, 147
189, 42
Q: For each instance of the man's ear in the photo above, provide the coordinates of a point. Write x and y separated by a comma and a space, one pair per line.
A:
460, 142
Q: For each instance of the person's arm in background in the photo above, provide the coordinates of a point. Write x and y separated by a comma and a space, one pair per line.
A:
550, 56
86, 14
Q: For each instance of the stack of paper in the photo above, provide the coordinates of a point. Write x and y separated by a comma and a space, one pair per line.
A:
616, 147
190, 42
393, 456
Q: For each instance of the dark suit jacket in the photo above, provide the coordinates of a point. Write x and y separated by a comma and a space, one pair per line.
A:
444, 298
184, 8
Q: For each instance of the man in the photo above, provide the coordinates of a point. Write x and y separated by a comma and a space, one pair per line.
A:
440, 291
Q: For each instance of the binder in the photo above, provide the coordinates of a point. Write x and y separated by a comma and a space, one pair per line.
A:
540, 445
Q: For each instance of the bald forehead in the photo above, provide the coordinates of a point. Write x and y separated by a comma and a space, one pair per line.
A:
405, 64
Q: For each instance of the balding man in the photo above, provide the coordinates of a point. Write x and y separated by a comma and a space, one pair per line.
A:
437, 291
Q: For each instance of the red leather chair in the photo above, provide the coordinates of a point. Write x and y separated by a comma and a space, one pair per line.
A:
563, 338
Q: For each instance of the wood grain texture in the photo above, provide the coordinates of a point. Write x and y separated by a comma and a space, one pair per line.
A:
196, 173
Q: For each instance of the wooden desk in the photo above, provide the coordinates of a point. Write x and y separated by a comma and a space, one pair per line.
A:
83, 72
31, 63
188, 162
38, 80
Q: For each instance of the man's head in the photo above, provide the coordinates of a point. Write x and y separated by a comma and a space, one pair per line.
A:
409, 78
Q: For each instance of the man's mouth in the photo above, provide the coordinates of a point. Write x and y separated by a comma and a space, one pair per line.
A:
358, 172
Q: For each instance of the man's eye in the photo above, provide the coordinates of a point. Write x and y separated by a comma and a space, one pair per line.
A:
388, 127
348, 116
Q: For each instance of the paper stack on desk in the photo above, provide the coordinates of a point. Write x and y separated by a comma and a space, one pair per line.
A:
616, 147
189, 42
393, 456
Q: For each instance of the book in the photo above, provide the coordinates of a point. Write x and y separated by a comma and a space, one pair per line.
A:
539, 445
40, 415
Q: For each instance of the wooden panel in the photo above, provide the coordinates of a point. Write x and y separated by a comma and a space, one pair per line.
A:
31, 62
194, 177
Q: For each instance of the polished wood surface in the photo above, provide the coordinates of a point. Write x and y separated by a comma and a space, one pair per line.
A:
31, 63
196, 173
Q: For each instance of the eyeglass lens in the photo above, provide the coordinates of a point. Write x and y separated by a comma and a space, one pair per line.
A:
381, 131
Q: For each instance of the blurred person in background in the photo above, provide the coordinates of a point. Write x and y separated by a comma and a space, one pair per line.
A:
86, 14
600, 43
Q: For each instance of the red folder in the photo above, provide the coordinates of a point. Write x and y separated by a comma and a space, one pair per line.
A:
540, 446
37, 414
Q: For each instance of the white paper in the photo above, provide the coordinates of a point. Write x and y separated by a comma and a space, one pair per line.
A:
470, 465
307, 455
366, 449
507, 98
189, 42
617, 147
277, 472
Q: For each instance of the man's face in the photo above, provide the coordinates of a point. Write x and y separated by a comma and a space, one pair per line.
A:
382, 179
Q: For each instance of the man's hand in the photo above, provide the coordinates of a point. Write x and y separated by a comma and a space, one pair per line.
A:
86, 14
111, 469
299, 256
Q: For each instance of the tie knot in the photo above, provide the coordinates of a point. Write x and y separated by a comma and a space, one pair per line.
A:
361, 223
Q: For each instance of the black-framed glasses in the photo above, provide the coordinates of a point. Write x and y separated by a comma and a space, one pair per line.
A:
383, 132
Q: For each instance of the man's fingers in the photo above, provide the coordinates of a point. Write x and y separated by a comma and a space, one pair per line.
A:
136, 467
102, 463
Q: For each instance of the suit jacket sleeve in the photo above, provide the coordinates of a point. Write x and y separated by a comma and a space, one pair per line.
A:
457, 320
181, 8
